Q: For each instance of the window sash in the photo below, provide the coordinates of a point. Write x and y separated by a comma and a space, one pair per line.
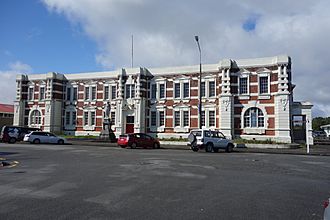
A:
75, 93
203, 118
161, 91
243, 85
92, 118
176, 90
153, 91
133, 91
161, 118
211, 89
30, 95
106, 92
263, 84
113, 117
113, 92
42, 93
185, 90
211, 118
153, 118
74, 118
177, 118
68, 94
93, 93
185, 118
202, 89
86, 93
85, 118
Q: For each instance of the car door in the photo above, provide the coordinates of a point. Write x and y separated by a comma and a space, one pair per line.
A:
222, 140
52, 138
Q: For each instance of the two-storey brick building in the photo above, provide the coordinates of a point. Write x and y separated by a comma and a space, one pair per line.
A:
248, 98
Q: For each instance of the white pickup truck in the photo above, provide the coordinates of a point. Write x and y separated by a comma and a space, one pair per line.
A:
210, 140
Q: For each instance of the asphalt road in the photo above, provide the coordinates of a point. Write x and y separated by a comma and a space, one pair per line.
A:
86, 182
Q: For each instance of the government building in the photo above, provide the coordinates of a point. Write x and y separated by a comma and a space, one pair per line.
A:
245, 98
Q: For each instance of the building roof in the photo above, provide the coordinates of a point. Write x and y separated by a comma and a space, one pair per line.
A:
325, 126
5, 108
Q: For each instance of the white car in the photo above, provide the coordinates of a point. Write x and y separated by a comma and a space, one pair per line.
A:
38, 137
210, 140
326, 209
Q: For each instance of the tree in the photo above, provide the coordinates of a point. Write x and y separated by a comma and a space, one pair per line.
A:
319, 121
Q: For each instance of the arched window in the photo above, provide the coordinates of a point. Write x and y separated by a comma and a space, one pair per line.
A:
253, 118
35, 117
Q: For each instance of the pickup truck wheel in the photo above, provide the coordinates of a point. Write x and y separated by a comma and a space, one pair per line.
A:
12, 140
209, 148
229, 148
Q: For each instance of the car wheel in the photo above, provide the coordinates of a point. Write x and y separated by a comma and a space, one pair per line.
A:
133, 145
156, 146
12, 140
209, 147
36, 141
60, 141
229, 148
195, 149
215, 150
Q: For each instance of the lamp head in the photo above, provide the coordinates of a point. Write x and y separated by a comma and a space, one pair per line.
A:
196, 38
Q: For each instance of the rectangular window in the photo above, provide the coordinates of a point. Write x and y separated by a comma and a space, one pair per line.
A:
161, 118
211, 89
185, 118
75, 93
85, 118
106, 93
211, 118
68, 94
243, 85
176, 90
74, 118
86, 93
153, 91
185, 90
67, 118
92, 118
263, 84
203, 118
128, 91
113, 92
153, 118
93, 93
113, 117
132, 91
42, 93
202, 89
161, 91
30, 95
176, 118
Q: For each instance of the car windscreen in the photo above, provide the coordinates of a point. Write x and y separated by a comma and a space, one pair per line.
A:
123, 136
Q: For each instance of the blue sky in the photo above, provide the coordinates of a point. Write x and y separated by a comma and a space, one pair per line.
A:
70, 36
44, 40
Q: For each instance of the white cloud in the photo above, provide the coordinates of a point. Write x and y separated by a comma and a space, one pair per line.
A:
8, 82
164, 30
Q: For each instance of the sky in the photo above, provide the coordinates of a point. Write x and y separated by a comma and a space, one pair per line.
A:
70, 36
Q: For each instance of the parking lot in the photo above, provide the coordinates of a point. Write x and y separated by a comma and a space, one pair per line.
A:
98, 182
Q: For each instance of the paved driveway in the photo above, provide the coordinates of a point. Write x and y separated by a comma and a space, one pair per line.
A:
87, 182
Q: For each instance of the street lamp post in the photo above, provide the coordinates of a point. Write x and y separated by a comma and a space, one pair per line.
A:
199, 84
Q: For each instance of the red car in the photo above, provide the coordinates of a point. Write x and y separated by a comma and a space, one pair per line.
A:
137, 140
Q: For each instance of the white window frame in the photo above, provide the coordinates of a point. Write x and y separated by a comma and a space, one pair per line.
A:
90, 93
31, 119
70, 125
248, 85
109, 92
44, 94
207, 110
181, 127
30, 97
158, 91
89, 126
268, 81
181, 92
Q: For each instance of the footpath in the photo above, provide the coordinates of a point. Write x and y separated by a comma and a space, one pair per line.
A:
317, 150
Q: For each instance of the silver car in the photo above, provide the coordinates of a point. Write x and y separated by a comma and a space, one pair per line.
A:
210, 140
38, 137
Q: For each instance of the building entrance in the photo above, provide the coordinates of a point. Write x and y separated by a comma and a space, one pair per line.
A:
299, 128
129, 124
